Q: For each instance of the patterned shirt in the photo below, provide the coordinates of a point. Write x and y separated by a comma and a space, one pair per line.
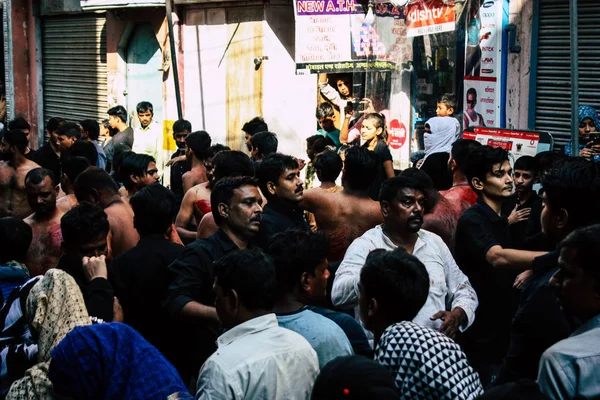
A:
426, 364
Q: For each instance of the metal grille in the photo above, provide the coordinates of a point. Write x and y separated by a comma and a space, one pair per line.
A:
553, 90
74, 67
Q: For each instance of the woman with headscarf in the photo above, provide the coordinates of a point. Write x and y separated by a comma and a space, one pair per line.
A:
54, 307
112, 361
588, 125
440, 133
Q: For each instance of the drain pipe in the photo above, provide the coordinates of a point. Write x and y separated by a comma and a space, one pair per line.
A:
574, 79
174, 58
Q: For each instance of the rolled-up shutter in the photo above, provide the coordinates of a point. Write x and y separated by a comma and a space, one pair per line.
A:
553, 83
74, 67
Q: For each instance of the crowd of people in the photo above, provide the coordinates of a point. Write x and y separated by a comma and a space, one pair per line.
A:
257, 275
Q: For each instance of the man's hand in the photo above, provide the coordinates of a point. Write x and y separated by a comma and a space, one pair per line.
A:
176, 159
522, 278
518, 215
118, 315
94, 267
452, 321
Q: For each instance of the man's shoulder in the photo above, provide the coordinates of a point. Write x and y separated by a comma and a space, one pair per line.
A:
584, 345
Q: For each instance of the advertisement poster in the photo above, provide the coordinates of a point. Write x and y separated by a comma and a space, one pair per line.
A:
426, 17
518, 143
483, 63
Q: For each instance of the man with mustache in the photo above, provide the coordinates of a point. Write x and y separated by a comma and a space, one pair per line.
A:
451, 302
237, 208
279, 179
484, 252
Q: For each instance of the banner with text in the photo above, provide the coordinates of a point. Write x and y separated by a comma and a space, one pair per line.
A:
519, 143
426, 17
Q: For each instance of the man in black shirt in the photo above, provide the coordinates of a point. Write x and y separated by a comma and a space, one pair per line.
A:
22, 124
123, 141
279, 179
483, 252
571, 198
178, 164
48, 156
237, 209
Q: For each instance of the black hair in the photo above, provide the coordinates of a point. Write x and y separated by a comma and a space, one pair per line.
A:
265, 142
547, 160
144, 106
449, 100
328, 165
182, 125
252, 275
360, 168
84, 149
54, 123
230, 163
461, 150
398, 281
111, 131
420, 176
586, 243
527, 163
271, 168
379, 123
321, 144
324, 110
217, 148
17, 138
481, 162
255, 125
19, 123
73, 166
473, 92
83, 223
69, 129
390, 187
224, 190
94, 178
154, 209
15, 239
91, 127
295, 252
311, 140
199, 142
37, 176
118, 111
575, 186
133, 164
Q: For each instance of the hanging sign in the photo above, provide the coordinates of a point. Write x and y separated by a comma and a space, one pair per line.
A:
425, 17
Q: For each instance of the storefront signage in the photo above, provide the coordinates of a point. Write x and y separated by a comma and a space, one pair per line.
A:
425, 17
518, 143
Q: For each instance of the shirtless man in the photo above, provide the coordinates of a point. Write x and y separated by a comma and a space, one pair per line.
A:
13, 199
196, 201
460, 190
197, 150
346, 215
71, 168
95, 186
45, 249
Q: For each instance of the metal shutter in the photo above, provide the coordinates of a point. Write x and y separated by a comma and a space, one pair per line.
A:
74, 67
553, 84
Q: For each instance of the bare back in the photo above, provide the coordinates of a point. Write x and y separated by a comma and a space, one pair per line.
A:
66, 202
123, 235
342, 217
45, 248
7, 176
20, 206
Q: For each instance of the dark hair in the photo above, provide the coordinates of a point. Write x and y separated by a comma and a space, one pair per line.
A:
144, 106
133, 164
481, 161
118, 111
83, 223
224, 190
94, 178
547, 160
324, 110
255, 125
360, 168
37, 176
461, 150
328, 165
69, 129
390, 187
575, 186
19, 123
182, 125
295, 252
252, 275
73, 166
419, 176
398, 280
155, 208
321, 144
379, 123
217, 148
311, 140
586, 243
265, 142
111, 131
230, 163
271, 168
449, 100
15, 239
527, 163
54, 123
91, 127
472, 92
199, 142
17, 138
84, 149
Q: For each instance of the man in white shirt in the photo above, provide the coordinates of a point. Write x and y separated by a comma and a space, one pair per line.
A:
255, 359
451, 302
148, 138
